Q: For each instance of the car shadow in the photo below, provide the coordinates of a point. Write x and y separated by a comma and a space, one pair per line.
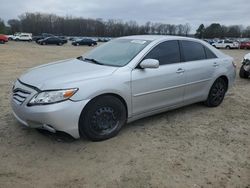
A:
58, 136
174, 112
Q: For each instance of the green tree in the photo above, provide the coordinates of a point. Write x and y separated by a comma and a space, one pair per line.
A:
200, 31
214, 31
2, 26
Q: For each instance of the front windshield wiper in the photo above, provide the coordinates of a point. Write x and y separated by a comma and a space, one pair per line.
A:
93, 61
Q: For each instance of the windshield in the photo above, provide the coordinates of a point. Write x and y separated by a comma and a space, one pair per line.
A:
117, 52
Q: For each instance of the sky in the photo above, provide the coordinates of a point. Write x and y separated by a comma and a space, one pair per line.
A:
194, 12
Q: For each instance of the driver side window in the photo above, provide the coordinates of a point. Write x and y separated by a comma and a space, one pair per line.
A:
166, 52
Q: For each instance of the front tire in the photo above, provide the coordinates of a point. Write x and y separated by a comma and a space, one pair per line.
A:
216, 93
102, 118
243, 73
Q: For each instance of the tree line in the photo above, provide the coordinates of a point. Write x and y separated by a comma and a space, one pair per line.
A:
215, 30
38, 23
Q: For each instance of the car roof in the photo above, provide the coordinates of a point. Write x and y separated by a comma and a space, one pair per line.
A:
155, 37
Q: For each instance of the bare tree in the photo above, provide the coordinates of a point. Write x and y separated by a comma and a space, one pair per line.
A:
187, 29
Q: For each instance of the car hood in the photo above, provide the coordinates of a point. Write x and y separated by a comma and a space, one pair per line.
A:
54, 75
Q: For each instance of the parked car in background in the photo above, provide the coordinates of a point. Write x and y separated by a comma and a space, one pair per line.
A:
210, 41
71, 38
62, 37
245, 45
42, 36
88, 42
226, 44
52, 40
23, 37
3, 39
10, 37
103, 39
121, 81
245, 68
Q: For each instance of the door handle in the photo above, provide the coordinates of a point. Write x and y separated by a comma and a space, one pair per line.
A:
215, 64
180, 70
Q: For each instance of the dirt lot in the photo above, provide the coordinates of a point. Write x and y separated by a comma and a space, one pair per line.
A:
194, 146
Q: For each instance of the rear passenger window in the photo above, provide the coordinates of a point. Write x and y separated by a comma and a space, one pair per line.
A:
193, 51
209, 53
167, 52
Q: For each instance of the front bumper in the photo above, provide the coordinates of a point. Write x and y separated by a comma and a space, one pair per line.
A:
63, 116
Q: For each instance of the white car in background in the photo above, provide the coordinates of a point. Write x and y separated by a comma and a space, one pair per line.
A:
226, 44
22, 37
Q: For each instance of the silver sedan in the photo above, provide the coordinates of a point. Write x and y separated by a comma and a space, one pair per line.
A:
121, 81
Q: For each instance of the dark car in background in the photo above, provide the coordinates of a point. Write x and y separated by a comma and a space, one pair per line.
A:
245, 45
42, 36
210, 41
3, 39
52, 40
85, 41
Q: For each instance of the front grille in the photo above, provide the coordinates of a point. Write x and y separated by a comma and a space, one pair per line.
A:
20, 95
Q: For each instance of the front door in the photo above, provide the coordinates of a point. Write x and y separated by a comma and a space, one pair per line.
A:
153, 89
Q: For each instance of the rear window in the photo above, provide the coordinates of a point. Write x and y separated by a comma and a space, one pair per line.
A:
209, 53
193, 51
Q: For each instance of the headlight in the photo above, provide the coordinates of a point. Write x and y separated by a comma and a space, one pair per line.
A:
52, 96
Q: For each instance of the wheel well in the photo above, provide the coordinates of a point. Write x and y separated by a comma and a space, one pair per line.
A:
106, 94
114, 95
225, 79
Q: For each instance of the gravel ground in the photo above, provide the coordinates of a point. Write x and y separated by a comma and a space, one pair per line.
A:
194, 146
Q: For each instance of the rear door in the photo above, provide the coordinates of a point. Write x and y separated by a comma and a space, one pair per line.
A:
154, 89
200, 67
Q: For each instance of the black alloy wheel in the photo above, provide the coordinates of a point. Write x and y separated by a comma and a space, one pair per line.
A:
216, 93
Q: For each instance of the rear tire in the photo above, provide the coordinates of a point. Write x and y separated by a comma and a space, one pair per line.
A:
102, 118
243, 73
228, 47
217, 93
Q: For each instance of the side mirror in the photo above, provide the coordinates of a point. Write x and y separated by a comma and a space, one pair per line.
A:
149, 64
